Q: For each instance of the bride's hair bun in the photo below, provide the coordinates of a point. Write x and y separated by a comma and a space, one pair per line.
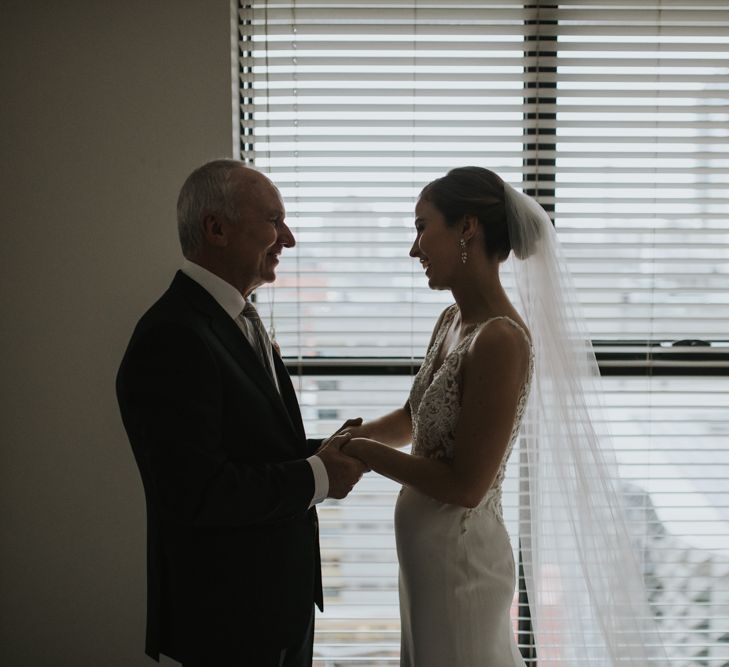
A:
478, 192
525, 220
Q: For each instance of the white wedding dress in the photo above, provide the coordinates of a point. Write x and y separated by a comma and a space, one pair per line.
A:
457, 573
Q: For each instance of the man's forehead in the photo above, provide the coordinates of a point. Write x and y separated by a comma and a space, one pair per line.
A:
255, 186
252, 179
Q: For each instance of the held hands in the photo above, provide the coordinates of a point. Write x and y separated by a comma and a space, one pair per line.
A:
353, 446
357, 448
343, 471
347, 427
355, 428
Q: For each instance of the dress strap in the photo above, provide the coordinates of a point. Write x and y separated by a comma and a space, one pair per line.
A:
513, 323
485, 323
445, 322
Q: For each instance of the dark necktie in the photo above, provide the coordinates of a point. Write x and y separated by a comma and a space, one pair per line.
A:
261, 342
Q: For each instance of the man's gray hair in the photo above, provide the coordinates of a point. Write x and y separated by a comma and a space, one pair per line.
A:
208, 189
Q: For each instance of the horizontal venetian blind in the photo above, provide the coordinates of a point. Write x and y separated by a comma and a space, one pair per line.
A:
641, 154
617, 114
352, 107
670, 436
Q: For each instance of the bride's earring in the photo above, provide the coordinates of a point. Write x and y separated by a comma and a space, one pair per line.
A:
464, 252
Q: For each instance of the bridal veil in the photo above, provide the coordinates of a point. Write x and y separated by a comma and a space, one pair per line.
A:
584, 578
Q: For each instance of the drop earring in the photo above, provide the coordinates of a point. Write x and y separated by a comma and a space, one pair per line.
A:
464, 252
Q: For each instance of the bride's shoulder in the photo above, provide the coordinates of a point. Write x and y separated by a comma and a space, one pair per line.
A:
501, 341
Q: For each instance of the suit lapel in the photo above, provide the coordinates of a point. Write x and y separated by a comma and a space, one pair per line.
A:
240, 349
288, 395
237, 344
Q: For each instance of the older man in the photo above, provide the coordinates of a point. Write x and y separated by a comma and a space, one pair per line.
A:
230, 479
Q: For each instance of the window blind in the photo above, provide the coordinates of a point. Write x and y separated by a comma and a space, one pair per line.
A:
670, 438
352, 108
641, 165
616, 116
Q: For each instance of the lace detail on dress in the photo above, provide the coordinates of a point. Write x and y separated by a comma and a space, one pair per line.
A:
435, 403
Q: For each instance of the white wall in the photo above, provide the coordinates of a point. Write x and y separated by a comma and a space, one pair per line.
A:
105, 107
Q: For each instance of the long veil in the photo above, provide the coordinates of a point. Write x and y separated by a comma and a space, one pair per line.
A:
583, 576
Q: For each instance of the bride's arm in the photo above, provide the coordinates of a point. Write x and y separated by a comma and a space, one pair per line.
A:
493, 374
394, 429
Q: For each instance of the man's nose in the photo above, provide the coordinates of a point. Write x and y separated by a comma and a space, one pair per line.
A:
415, 249
286, 236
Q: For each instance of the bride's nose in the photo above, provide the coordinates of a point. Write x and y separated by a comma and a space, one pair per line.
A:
415, 249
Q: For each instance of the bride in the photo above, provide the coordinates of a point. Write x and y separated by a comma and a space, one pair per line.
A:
463, 416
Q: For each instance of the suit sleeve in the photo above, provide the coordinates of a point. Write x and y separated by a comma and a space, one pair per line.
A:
170, 392
313, 444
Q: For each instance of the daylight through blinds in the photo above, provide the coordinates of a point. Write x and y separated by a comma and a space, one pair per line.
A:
616, 116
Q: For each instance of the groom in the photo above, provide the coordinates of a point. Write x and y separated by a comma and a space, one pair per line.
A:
230, 480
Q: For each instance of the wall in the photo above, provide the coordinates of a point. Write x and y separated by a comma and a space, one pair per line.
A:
106, 107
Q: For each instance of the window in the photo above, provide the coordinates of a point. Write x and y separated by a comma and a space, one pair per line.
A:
616, 116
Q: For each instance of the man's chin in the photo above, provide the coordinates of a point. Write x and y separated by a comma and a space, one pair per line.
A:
268, 277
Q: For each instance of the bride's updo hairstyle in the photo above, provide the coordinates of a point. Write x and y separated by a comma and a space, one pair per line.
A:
481, 193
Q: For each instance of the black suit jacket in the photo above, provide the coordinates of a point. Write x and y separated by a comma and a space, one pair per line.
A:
232, 548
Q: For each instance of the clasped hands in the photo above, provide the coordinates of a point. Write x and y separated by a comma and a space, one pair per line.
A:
344, 469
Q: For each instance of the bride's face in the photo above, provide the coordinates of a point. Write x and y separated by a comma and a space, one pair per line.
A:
436, 245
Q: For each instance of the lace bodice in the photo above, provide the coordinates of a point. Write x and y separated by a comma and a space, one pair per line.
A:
435, 399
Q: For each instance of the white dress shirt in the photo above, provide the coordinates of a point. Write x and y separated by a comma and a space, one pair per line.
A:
232, 302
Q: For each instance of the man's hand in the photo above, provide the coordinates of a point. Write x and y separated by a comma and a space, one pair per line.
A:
344, 428
343, 471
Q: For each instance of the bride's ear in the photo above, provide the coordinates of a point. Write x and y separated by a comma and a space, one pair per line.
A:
469, 227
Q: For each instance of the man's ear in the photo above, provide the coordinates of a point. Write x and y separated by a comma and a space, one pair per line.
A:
214, 230
469, 227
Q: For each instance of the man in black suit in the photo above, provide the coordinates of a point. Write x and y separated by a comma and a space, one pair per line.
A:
230, 479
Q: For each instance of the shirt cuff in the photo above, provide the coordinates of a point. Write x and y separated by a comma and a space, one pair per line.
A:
321, 479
